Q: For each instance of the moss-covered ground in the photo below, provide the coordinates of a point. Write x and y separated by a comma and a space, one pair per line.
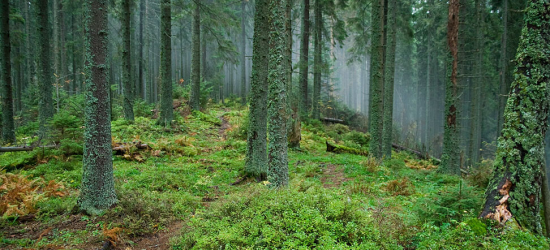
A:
186, 192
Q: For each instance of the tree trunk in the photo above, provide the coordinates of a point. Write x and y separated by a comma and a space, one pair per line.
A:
196, 62
318, 60
256, 155
276, 107
45, 107
8, 127
97, 192
166, 110
450, 159
376, 108
243, 52
514, 190
304, 61
141, 93
389, 72
127, 82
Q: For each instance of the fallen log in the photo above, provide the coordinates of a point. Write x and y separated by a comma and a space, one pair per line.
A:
420, 155
333, 120
339, 149
24, 148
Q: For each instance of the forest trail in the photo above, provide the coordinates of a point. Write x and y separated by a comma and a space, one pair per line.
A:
333, 176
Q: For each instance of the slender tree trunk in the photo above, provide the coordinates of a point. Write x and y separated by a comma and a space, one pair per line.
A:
141, 93
294, 131
45, 107
98, 187
127, 82
243, 52
277, 112
166, 110
8, 127
389, 72
196, 62
318, 60
256, 155
376, 108
514, 190
304, 61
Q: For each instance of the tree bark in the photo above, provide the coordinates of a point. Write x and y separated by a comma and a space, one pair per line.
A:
389, 72
196, 62
127, 82
376, 109
304, 62
166, 110
8, 127
45, 107
318, 60
514, 190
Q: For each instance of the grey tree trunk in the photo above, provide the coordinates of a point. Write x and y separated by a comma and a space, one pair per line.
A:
8, 128
127, 81
277, 111
256, 154
243, 53
166, 110
318, 60
389, 72
45, 73
376, 108
97, 192
304, 61
196, 61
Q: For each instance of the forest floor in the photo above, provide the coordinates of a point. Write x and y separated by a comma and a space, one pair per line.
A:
179, 195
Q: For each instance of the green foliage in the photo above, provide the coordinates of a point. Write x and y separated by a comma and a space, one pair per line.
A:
362, 139
64, 125
481, 175
449, 204
479, 228
143, 109
285, 218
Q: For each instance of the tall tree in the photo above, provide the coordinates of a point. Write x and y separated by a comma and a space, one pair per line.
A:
304, 61
294, 129
514, 190
256, 155
8, 127
376, 108
196, 61
98, 187
450, 159
166, 110
243, 52
277, 111
318, 60
141, 90
45, 73
389, 72
128, 103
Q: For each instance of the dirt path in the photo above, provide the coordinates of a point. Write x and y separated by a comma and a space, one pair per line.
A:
333, 176
225, 125
160, 240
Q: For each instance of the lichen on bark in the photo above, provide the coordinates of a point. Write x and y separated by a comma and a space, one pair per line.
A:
166, 110
516, 183
97, 192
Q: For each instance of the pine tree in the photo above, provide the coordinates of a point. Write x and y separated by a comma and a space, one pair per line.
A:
8, 128
98, 188
45, 72
294, 123
377, 79
127, 84
514, 190
243, 52
389, 72
449, 161
256, 155
196, 62
166, 110
277, 111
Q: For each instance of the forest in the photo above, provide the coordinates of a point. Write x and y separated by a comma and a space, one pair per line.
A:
263, 124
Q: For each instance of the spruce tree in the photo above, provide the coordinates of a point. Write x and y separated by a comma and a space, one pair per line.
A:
196, 61
304, 61
8, 128
376, 88
389, 72
318, 60
277, 111
514, 190
256, 154
97, 192
166, 110
45, 71
128, 104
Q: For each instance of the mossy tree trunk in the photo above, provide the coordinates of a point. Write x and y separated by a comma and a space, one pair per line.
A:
318, 60
256, 154
166, 110
8, 128
97, 192
304, 62
376, 88
196, 61
450, 159
45, 71
127, 82
514, 190
294, 129
277, 111
243, 52
389, 72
